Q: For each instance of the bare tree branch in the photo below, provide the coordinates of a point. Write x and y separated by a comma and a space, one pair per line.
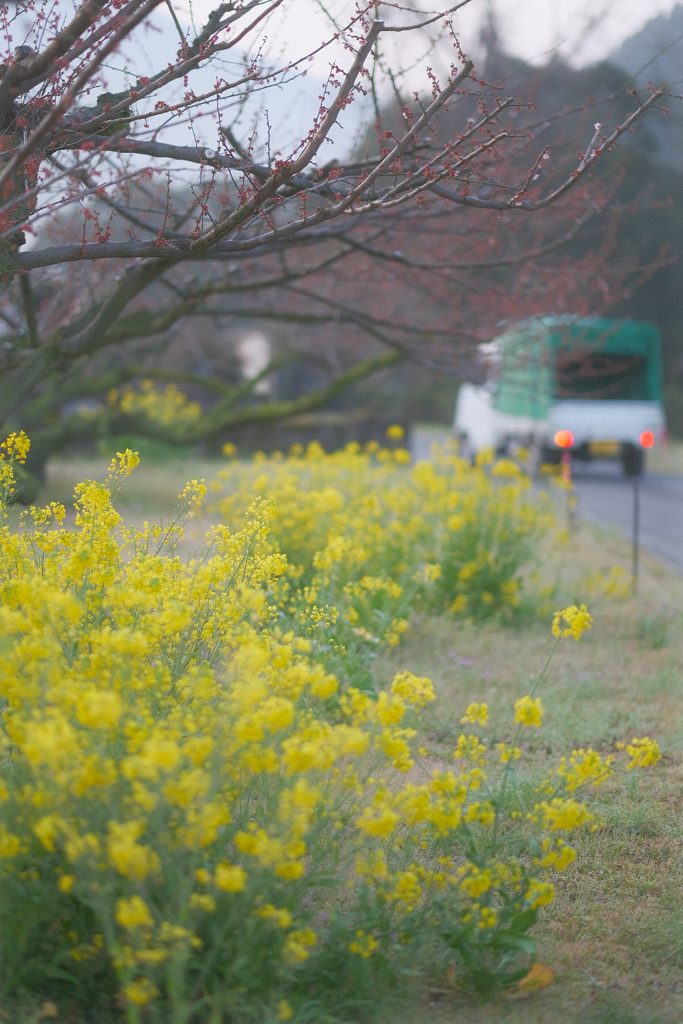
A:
164, 205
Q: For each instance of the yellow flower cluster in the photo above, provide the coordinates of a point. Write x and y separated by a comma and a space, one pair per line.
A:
529, 711
564, 815
363, 944
182, 772
584, 767
151, 705
415, 689
643, 752
167, 406
556, 854
369, 535
13, 452
576, 621
15, 448
476, 714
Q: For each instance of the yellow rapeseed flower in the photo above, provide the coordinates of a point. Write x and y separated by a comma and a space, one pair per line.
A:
130, 858
98, 709
487, 918
564, 814
15, 447
229, 877
133, 912
298, 945
10, 844
284, 1010
417, 690
280, 916
507, 752
643, 752
529, 711
539, 894
576, 621
141, 991
364, 944
379, 821
476, 714
583, 767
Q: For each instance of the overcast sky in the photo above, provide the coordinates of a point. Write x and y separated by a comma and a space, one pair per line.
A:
583, 30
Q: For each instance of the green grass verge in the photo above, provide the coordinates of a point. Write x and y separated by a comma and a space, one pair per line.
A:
614, 935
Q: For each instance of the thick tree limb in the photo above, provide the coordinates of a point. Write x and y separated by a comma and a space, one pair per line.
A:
225, 416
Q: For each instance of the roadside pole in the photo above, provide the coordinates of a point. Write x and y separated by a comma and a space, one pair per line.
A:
569, 486
636, 531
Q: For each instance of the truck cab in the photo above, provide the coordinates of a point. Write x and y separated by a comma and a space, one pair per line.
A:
589, 386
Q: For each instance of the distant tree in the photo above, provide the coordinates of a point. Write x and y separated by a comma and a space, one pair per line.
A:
411, 251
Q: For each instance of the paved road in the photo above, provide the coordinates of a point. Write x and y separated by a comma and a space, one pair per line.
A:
605, 497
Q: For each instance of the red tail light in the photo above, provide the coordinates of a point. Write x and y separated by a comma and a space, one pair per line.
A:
647, 439
564, 439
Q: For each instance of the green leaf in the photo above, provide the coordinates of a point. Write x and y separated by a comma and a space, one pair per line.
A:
522, 922
53, 971
510, 979
506, 938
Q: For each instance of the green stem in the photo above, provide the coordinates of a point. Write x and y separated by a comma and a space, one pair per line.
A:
509, 769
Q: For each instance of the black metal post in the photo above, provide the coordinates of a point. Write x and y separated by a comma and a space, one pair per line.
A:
636, 529
570, 497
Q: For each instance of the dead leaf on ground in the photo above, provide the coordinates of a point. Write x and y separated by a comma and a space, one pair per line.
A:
539, 976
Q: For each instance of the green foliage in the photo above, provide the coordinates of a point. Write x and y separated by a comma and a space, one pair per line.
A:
150, 449
655, 630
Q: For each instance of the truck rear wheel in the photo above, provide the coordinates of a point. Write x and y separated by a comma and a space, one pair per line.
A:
632, 460
551, 456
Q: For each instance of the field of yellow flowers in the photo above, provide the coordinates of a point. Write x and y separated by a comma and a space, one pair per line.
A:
215, 803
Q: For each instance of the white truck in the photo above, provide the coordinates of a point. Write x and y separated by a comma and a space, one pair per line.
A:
590, 386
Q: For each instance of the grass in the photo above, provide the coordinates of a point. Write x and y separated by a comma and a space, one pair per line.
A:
614, 936
667, 458
151, 491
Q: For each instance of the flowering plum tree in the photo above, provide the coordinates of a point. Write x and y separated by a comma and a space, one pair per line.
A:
115, 234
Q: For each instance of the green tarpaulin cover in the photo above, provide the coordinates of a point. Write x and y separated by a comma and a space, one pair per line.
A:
563, 357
